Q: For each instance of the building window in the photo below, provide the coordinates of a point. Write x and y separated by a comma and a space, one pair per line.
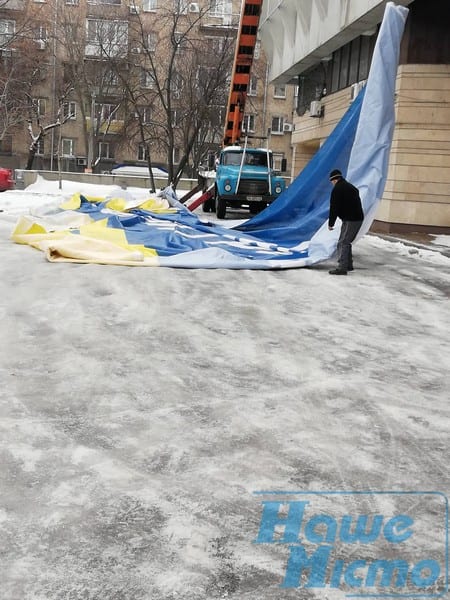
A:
147, 80
277, 125
180, 42
253, 87
354, 63
214, 45
118, 2
72, 2
344, 68
248, 123
176, 117
176, 85
176, 155
257, 52
205, 75
40, 34
367, 46
277, 161
70, 110
152, 41
144, 113
106, 112
71, 31
107, 38
40, 147
105, 150
111, 78
279, 91
147, 114
142, 152
350, 63
221, 8
148, 5
67, 147
180, 7
7, 30
39, 105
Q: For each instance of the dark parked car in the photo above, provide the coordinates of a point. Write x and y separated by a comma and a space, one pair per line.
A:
6, 179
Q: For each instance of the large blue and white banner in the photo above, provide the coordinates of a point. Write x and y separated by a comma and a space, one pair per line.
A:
292, 232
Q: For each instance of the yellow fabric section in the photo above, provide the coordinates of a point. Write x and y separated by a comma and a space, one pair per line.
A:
70, 239
75, 201
157, 205
100, 231
78, 248
27, 231
36, 228
116, 204
96, 243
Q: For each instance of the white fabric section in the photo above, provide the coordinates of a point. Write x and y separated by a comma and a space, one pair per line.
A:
62, 221
376, 124
216, 258
369, 158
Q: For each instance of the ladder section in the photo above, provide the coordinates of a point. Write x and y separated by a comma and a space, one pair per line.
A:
240, 77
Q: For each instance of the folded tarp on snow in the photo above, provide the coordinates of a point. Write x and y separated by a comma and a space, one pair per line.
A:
292, 232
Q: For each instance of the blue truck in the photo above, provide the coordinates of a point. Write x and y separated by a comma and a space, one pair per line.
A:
245, 178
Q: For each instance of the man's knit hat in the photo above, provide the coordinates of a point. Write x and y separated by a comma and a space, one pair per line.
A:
335, 174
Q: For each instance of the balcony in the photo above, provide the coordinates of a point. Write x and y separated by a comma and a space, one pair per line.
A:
219, 22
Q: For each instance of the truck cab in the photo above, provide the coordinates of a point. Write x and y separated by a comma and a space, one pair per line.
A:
245, 179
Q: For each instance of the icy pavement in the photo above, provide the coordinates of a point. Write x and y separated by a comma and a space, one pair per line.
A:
142, 408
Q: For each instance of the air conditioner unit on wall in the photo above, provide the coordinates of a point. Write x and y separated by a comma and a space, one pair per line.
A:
81, 161
194, 7
316, 109
134, 10
287, 127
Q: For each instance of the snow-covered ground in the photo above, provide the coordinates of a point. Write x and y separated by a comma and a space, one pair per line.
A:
142, 408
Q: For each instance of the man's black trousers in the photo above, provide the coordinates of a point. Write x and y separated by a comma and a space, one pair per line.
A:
349, 231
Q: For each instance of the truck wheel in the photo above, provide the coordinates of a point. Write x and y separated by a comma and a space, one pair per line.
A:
208, 205
221, 208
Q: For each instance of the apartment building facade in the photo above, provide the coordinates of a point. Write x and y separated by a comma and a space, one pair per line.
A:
324, 47
125, 80
269, 111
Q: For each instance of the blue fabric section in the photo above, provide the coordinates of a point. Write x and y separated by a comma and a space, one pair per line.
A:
90, 208
303, 207
171, 234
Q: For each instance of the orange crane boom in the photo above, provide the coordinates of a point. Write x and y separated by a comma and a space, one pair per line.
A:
240, 77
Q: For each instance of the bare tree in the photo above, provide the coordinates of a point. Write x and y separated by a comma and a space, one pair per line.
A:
93, 56
36, 129
177, 85
12, 99
21, 68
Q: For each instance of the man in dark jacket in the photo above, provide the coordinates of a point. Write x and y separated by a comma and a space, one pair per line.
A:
345, 203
